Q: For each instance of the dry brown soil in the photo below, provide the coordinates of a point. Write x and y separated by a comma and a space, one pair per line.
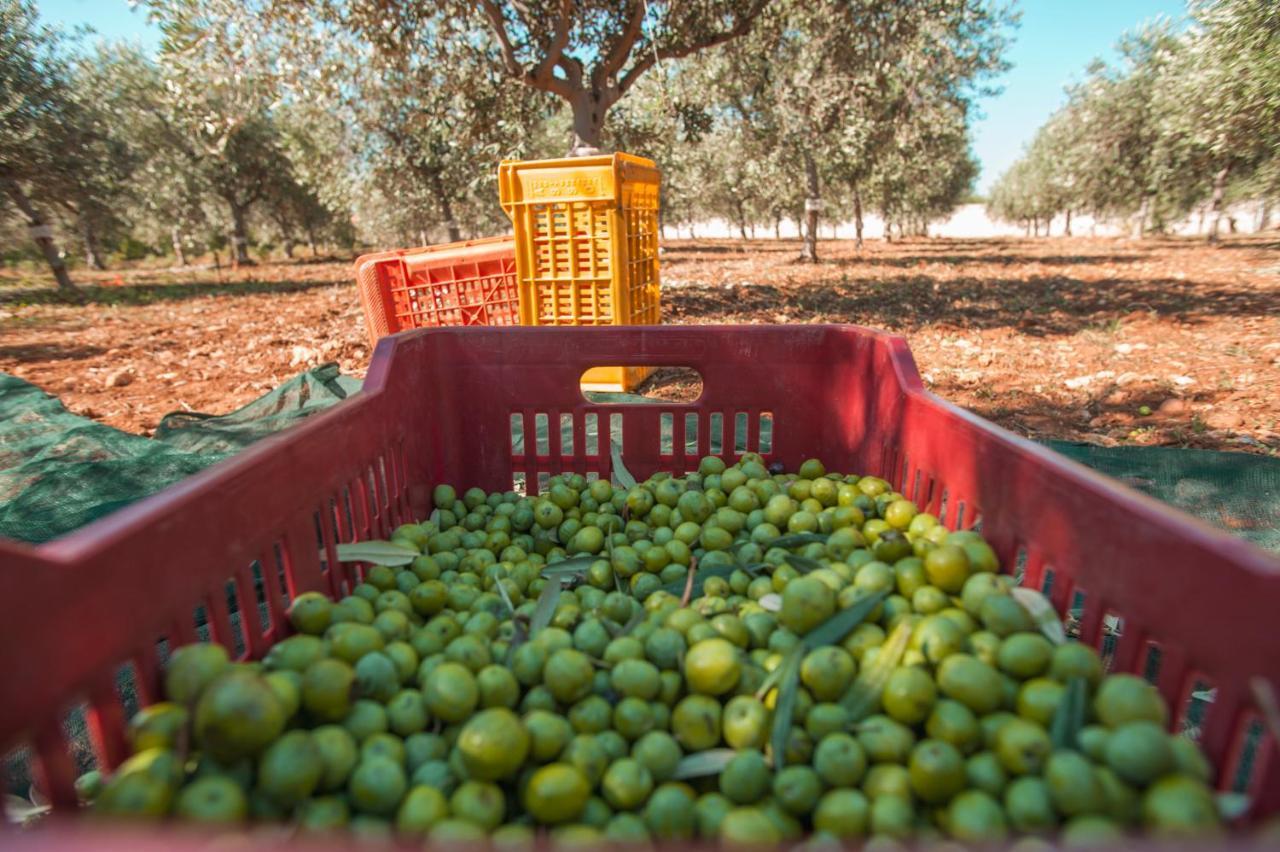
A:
1067, 338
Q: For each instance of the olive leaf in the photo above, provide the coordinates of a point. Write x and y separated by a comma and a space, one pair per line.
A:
1069, 718
632, 623
519, 635
770, 681
546, 606
863, 698
803, 564
1042, 613
19, 811
840, 625
574, 568
787, 542
620, 472
1232, 806
788, 688
506, 599
377, 553
703, 763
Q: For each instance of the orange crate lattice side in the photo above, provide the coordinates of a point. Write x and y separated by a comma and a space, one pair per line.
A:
478, 293
464, 283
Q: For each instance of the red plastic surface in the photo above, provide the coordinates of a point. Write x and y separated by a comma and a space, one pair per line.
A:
464, 283
439, 405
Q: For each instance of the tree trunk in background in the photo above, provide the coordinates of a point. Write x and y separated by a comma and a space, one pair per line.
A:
1219, 189
42, 234
92, 256
311, 243
742, 218
446, 208
857, 217
178, 254
777, 226
288, 247
1144, 213
588, 123
1066, 231
753, 230
239, 236
810, 251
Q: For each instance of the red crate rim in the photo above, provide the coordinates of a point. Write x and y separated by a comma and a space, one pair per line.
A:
135, 518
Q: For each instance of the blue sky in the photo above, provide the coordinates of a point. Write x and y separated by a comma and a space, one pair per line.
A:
1052, 47
1057, 39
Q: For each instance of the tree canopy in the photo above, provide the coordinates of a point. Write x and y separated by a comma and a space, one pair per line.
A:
275, 123
1189, 116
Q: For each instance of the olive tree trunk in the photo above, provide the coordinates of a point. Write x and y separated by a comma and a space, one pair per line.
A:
179, 255
239, 235
92, 254
42, 233
1216, 205
589, 109
813, 199
446, 207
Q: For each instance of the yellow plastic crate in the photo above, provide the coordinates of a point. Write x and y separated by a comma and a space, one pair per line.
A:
586, 245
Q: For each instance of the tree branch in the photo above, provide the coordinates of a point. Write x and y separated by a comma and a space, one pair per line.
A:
573, 70
499, 24
679, 51
559, 39
539, 77
617, 55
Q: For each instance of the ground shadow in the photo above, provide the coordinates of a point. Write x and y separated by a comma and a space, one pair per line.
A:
756, 246
993, 259
1038, 305
1249, 244
49, 352
143, 294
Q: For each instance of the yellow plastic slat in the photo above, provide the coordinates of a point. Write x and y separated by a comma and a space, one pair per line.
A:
586, 234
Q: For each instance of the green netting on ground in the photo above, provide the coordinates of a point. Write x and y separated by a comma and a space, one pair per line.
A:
1237, 492
225, 434
59, 471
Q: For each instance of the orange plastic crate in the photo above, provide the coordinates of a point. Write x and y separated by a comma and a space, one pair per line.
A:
464, 283
586, 245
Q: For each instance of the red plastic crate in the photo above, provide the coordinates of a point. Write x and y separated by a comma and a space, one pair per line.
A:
465, 283
444, 405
